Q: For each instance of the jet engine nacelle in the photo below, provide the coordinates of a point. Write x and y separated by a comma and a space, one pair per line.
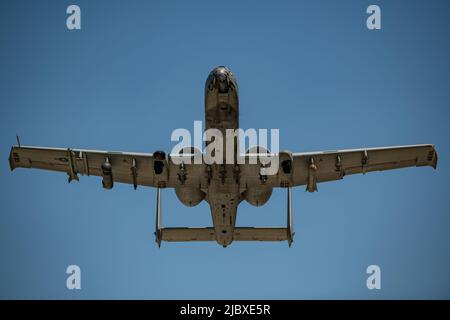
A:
258, 196
189, 196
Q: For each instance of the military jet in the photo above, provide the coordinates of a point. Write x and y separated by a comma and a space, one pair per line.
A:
223, 186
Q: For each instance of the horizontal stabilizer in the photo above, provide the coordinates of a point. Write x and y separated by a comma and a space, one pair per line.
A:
188, 234
261, 234
240, 234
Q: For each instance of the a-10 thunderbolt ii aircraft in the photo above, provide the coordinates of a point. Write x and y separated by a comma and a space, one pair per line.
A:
223, 186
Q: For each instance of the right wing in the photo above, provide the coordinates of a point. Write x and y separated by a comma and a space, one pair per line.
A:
310, 168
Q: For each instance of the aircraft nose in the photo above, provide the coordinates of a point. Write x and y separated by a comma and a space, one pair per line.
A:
221, 75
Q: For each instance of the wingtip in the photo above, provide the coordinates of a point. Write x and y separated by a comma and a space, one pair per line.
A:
158, 238
10, 159
435, 160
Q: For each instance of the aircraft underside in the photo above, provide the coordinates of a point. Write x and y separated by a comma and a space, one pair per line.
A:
223, 186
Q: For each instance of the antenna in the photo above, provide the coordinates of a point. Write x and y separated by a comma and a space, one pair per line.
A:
18, 141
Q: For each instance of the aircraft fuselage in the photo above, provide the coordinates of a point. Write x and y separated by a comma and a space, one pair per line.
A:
222, 113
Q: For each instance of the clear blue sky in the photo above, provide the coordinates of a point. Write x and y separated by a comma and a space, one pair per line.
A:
136, 71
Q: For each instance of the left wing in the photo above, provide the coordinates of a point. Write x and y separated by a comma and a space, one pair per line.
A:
311, 168
146, 169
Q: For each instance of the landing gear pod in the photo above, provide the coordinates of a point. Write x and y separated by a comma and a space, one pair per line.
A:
160, 169
286, 169
108, 181
159, 162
